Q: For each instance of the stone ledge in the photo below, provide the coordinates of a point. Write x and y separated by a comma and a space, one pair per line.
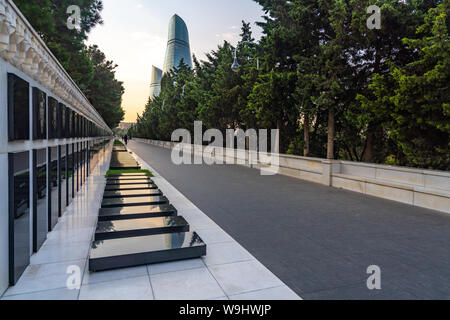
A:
430, 198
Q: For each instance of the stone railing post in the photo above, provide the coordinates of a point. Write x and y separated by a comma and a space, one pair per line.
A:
327, 172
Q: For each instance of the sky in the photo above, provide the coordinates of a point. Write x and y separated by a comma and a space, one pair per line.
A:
134, 36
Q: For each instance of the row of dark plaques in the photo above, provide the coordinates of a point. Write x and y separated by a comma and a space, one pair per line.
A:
54, 177
51, 119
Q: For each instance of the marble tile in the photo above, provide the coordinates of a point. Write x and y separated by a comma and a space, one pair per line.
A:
119, 274
241, 277
125, 289
220, 299
277, 293
61, 253
45, 277
196, 284
56, 294
214, 235
175, 266
70, 236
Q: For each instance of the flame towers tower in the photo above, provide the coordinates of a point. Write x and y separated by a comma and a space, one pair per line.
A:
178, 49
155, 85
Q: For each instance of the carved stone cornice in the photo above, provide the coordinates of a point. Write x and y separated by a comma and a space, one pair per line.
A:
22, 47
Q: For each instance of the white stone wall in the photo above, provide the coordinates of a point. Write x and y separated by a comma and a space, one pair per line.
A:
23, 53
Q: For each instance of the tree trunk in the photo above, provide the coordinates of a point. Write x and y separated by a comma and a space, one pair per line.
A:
306, 128
331, 134
369, 152
279, 136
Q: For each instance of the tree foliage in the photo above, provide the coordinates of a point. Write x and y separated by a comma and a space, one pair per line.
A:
87, 66
334, 87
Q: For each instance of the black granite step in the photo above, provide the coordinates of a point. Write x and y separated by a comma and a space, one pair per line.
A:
125, 167
124, 162
137, 251
131, 193
120, 187
142, 212
127, 182
127, 178
139, 174
138, 201
140, 227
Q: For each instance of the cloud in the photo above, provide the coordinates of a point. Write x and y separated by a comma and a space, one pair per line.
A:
229, 36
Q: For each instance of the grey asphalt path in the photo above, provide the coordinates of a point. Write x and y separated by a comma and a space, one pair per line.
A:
319, 240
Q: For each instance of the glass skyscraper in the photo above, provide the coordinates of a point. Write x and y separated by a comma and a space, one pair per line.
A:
155, 86
178, 49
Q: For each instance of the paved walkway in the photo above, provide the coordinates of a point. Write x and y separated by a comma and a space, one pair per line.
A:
319, 240
227, 272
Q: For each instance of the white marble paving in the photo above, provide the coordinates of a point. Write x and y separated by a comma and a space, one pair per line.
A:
195, 284
238, 274
138, 288
56, 294
241, 277
44, 277
107, 276
226, 253
277, 293
227, 272
175, 266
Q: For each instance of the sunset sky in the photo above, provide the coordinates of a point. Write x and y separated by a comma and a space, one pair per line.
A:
134, 36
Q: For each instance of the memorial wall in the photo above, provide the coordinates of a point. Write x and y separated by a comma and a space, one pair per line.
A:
46, 129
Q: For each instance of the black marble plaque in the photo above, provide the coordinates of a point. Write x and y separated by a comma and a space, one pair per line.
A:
127, 175
77, 167
129, 202
140, 227
62, 177
137, 251
127, 182
68, 173
76, 125
62, 121
71, 124
124, 167
147, 186
123, 213
125, 179
18, 108
131, 193
19, 215
53, 107
53, 187
40, 216
39, 114
71, 173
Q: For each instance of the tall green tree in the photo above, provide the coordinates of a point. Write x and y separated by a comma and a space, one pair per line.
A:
412, 101
104, 90
333, 86
49, 18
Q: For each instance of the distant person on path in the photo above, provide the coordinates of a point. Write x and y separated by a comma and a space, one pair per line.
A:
125, 139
